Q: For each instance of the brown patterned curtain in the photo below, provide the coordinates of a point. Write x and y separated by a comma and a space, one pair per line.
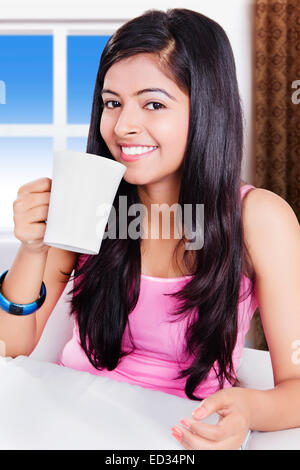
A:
277, 108
277, 98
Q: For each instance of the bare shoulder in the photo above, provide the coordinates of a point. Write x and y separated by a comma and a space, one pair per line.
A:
269, 222
261, 204
272, 236
264, 196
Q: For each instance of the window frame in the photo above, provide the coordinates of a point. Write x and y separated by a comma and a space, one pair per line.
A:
59, 130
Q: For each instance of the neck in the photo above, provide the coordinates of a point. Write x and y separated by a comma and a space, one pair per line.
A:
153, 195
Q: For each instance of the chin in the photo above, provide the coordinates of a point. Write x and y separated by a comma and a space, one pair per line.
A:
135, 179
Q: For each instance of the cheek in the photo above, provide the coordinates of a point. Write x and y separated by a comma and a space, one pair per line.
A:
103, 127
173, 140
106, 135
173, 132
107, 124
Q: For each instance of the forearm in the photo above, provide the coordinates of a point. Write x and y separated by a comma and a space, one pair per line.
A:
275, 409
21, 285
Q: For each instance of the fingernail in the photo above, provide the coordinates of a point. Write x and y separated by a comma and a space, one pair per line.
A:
199, 413
185, 423
177, 431
179, 439
177, 436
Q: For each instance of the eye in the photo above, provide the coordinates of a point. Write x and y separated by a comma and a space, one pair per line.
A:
105, 105
159, 104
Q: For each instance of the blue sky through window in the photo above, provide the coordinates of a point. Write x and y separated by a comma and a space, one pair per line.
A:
77, 144
26, 97
27, 72
84, 54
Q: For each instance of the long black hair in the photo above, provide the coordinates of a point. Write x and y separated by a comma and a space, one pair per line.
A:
195, 51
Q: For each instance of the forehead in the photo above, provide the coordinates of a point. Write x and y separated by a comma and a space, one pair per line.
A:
146, 72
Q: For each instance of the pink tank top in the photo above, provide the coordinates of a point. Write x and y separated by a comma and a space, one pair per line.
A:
159, 354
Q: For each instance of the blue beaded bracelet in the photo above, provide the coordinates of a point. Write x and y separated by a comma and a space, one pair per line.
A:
19, 309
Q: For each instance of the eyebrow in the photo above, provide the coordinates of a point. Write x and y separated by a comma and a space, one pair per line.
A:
140, 92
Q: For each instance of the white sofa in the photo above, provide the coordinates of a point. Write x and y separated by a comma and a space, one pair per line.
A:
255, 370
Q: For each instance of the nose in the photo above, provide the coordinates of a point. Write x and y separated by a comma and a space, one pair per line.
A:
129, 121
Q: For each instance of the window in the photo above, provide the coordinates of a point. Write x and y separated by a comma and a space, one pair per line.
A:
47, 78
26, 69
83, 54
22, 159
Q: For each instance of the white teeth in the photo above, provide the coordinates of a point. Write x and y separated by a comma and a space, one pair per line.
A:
136, 150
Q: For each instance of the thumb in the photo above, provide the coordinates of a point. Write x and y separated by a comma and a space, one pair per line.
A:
210, 405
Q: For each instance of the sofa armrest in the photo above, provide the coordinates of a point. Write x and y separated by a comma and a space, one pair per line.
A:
57, 332
255, 369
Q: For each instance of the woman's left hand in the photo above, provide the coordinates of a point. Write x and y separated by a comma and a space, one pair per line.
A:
231, 429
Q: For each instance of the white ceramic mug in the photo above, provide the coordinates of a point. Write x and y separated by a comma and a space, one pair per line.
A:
82, 184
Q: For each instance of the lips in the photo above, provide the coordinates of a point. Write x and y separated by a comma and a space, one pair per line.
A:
130, 158
136, 145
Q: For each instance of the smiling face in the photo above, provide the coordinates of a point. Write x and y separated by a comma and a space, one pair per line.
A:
150, 118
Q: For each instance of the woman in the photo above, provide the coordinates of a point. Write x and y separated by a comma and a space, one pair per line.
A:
167, 82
